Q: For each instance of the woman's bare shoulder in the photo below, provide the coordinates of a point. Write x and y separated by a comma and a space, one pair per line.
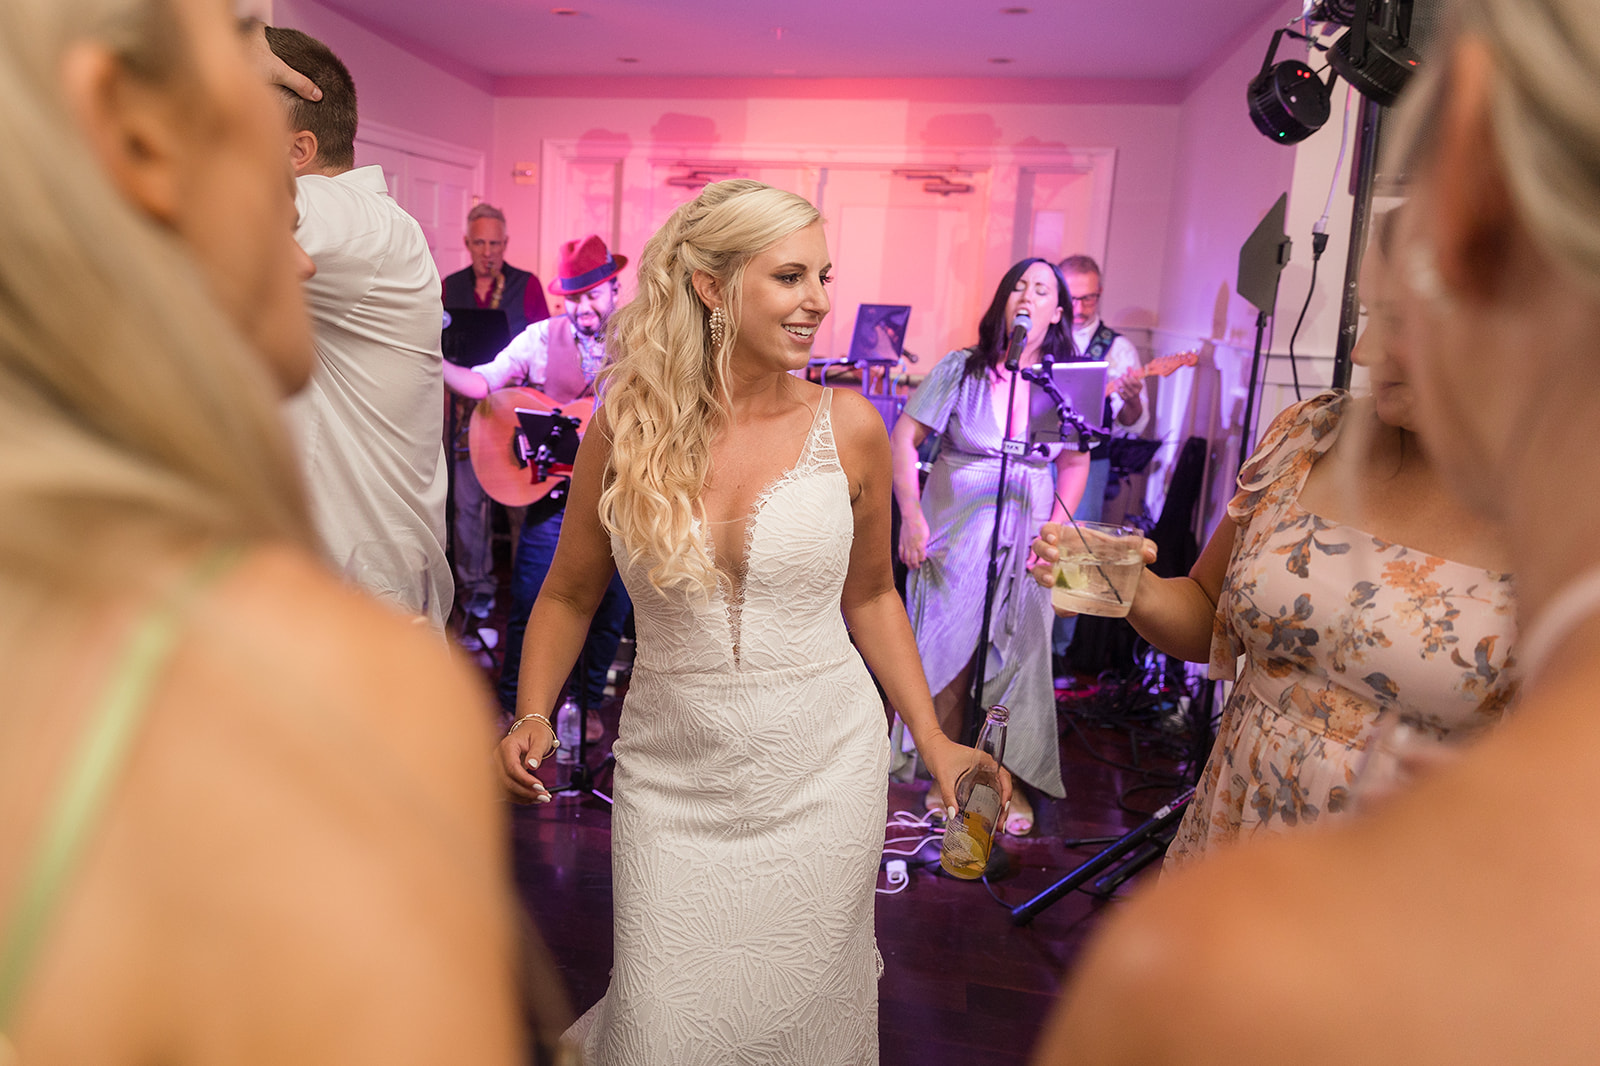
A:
308, 810
856, 420
289, 616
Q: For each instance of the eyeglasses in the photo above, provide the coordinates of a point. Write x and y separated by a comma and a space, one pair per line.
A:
1088, 299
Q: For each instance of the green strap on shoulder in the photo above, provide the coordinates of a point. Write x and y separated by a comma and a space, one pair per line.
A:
113, 727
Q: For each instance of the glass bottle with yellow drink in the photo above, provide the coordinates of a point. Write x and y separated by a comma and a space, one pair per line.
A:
970, 835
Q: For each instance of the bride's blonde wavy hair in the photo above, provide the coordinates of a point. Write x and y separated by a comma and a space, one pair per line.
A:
666, 390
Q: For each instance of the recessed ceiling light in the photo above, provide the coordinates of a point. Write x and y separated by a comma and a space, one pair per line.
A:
563, 11
999, 59
1015, 10
627, 59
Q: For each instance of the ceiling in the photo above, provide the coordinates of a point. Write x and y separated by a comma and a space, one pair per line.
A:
1142, 39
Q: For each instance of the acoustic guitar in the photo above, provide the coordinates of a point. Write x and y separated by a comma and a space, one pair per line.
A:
513, 469
1159, 367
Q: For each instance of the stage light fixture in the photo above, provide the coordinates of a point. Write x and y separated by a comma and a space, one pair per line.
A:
1374, 54
1338, 12
1288, 102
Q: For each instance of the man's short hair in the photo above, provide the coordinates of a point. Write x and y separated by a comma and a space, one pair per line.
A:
485, 211
1079, 264
333, 118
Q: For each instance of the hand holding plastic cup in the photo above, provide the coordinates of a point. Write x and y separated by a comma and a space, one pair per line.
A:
1098, 569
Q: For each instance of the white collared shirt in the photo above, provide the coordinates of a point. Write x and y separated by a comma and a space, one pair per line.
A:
1120, 358
370, 423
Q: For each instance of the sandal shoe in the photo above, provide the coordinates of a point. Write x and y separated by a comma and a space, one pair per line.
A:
1017, 823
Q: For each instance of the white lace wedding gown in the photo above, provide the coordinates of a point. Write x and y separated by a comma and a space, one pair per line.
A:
751, 788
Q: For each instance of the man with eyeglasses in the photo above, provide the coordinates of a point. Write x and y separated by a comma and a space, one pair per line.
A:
1126, 411
489, 282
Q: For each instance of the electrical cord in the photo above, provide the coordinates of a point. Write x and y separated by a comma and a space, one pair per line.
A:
1319, 240
896, 876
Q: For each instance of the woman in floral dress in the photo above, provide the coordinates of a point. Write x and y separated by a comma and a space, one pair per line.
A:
1352, 586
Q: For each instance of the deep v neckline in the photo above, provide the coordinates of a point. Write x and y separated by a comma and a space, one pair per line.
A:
731, 583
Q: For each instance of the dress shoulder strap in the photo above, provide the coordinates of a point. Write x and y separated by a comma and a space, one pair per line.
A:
113, 726
820, 449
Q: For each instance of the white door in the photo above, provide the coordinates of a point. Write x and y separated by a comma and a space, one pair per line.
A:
894, 242
435, 192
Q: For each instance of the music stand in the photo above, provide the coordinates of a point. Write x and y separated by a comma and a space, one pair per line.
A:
1262, 258
1082, 384
548, 443
474, 335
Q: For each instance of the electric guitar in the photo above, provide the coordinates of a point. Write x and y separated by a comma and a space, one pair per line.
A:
1159, 367
512, 468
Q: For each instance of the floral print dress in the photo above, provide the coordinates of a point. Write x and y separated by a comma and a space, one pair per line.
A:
1336, 628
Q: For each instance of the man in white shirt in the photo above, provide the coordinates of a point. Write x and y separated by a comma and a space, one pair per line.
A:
370, 424
559, 356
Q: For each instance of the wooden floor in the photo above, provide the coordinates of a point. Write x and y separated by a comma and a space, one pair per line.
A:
961, 982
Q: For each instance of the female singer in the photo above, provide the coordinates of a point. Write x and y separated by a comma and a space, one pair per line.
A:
946, 528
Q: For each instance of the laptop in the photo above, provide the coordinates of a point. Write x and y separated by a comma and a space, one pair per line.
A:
879, 335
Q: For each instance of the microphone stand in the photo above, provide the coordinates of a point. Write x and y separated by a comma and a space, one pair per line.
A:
1008, 447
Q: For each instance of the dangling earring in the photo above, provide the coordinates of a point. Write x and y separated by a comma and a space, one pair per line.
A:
719, 328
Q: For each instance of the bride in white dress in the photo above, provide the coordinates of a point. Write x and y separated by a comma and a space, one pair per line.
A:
748, 512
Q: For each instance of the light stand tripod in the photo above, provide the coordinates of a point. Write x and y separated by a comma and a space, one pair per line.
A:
1262, 258
1141, 842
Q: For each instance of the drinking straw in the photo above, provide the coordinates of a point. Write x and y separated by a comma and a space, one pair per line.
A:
1088, 549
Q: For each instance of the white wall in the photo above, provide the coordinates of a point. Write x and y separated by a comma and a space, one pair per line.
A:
1228, 177
872, 114
396, 86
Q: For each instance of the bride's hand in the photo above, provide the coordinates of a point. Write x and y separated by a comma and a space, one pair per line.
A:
947, 761
516, 762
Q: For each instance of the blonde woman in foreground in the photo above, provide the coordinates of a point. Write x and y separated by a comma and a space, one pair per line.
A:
1459, 923
745, 507
243, 812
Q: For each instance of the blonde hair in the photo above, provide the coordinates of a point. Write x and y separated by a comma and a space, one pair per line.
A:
135, 420
666, 390
1545, 110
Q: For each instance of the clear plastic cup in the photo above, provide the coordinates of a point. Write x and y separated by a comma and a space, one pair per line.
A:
1099, 568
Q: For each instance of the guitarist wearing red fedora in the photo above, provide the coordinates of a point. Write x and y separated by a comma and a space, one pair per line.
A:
559, 357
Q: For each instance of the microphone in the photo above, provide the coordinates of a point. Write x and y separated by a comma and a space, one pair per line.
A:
1019, 334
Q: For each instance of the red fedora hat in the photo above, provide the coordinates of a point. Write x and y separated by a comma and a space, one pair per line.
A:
585, 263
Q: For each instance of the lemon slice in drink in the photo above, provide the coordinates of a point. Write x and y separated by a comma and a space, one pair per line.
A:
1071, 577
